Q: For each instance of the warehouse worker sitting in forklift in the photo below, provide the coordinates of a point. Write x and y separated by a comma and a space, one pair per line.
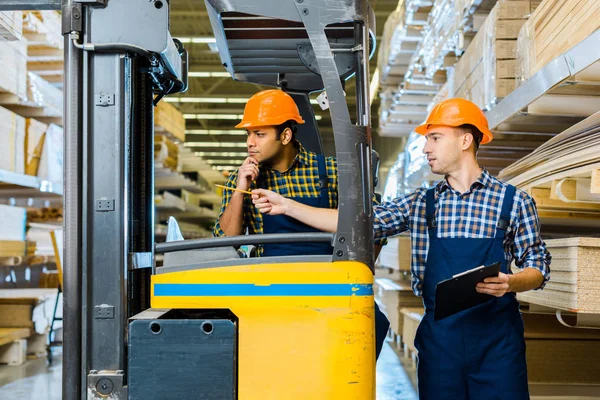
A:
468, 219
277, 161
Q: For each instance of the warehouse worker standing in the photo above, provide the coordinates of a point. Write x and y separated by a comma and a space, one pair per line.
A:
278, 162
468, 219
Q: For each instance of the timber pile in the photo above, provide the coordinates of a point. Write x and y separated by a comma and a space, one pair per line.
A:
45, 55
396, 254
486, 71
44, 214
11, 25
169, 120
12, 141
575, 280
32, 309
35, 136
165, 152
563, 174
392, 296
560, 355
555, 27
412, 318
13, 345
13, 63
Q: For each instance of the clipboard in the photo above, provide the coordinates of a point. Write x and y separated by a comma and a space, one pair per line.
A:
459, 293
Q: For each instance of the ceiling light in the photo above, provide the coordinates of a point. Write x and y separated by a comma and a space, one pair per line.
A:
225, 167
212, 116
197, 40
232, 132
196, 100
232, 100
220, 154
226, 162
202, 74
213, 144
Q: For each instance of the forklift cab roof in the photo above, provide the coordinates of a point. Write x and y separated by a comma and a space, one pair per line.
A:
268, 45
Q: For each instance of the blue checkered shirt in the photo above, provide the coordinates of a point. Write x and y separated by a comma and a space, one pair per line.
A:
473, 214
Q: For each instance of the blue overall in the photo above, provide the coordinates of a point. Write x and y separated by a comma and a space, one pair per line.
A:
285, 224
477, 354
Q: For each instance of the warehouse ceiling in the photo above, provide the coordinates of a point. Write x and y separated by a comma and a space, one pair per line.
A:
216, 96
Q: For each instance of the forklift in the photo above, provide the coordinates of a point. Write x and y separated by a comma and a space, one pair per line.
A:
209, 324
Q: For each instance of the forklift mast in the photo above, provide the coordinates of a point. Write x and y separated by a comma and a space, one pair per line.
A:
120, 59
305, 46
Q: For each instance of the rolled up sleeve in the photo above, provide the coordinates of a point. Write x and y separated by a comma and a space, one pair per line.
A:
529, 250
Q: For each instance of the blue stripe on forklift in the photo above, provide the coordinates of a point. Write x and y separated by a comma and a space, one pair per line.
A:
248, 289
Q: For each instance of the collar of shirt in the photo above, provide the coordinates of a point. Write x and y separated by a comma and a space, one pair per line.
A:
482, 181
302, 157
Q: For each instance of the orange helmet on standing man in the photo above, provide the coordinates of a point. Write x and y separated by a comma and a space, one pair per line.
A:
456, 112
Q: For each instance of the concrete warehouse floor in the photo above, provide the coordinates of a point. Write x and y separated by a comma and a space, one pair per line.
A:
35, 381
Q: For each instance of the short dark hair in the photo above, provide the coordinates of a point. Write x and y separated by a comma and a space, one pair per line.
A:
477, 135
287, 124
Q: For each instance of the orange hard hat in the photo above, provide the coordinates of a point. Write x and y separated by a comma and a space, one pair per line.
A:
269, 108
457, 112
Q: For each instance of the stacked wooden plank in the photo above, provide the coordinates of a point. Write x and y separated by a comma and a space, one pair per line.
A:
165, 152
560, 355
51, 160
392, 296
575, 281
555, 27
169, 120
563, 174
12, 141
11, 25
35, 136
13, 345
13, 63
486, 71
45, 44
411, 319
42, 101
396, 254
37, 61
31, 309
12, 234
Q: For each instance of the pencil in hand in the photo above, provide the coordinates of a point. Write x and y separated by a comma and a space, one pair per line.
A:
234, 189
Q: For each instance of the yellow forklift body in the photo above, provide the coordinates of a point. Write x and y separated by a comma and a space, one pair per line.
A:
305, 330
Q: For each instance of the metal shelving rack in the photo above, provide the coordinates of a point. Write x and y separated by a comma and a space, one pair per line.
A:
559, 78
15, 185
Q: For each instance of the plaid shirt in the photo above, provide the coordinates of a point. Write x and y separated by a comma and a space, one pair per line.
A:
300, 180
473, 214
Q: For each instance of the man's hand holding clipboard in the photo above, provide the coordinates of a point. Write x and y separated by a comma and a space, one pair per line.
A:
468, 289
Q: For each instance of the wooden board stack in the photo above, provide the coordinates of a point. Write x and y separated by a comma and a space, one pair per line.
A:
35, 137
31, 309
575, 280
12, 234
560, 355
486, 71
396, 254
45, 55
169, 120
11, 25
412, 317
555, 27
13, 63
392, 296
12, 141
165, 152
563, 174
